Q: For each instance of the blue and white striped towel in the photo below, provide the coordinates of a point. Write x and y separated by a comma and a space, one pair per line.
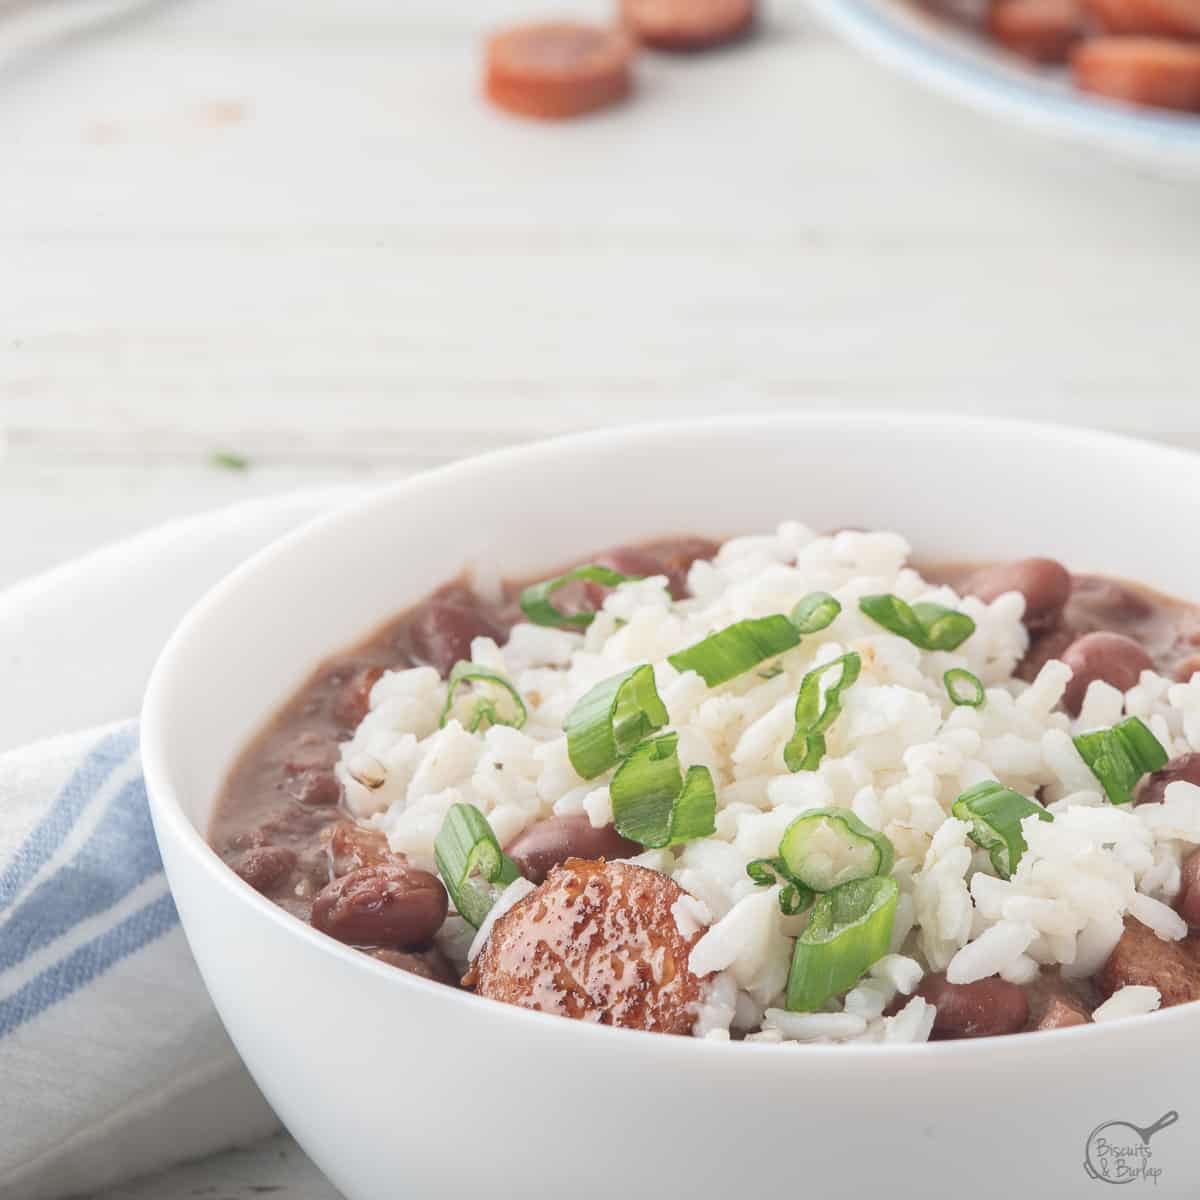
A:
112, 1060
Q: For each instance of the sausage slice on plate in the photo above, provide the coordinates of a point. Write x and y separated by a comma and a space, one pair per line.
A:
1043, 31
1140, 70
596, 942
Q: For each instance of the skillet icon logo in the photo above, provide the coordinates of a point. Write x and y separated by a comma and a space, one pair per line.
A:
1118, 1152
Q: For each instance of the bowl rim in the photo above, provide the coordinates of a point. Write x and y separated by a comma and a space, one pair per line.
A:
170, 820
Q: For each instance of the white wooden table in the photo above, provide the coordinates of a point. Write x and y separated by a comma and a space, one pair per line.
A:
291, 228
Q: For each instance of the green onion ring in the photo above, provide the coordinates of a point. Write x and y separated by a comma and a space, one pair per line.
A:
466, 844
610, 720
654, 804
927, 626
848, 931
993, 814
974, 698
1120, 756
535, 599
827, 847
806, 747
485, 710
816, 611
729, 652
794, 897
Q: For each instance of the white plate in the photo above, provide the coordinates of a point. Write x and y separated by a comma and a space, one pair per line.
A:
77, 643
970, 69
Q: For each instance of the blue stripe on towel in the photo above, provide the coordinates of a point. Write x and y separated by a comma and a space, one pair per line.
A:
87, 963
50, 833
119, 855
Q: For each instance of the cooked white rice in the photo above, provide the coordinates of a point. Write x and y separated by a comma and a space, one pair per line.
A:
898, 756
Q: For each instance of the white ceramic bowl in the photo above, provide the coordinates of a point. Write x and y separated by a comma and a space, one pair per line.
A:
400, 1087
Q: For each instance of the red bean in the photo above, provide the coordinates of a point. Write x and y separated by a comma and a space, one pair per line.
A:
353, 699
985, 1008
1186, 669
1187, 903
265, 867
351, 847
310, 752
1112, 657
442, 629
388, 905
551, 842
1045, 584
428, 964
1186, 768
1062, 1014
316, 789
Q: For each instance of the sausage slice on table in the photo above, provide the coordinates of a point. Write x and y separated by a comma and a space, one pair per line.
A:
596, 942
687, 24
1140, 70
557, 69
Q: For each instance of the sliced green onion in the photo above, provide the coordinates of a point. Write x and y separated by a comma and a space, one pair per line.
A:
806, 747
765, 871
994, 814
928, 626
963, 688
848, 931
830, 846
464, 846
611, 719
772, 672
794, 897
485, 709
654, 804
1120, 756
817, 611
535, 599
724, 655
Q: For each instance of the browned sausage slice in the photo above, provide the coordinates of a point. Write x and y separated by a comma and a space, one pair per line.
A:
596, 942
1164, 18
1141, 70
557, 69
1043, 31
1142, 957
687, 24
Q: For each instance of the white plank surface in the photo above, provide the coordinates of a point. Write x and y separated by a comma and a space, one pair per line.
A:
292, 228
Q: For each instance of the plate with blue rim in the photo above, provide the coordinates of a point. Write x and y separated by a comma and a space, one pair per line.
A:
950, 57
